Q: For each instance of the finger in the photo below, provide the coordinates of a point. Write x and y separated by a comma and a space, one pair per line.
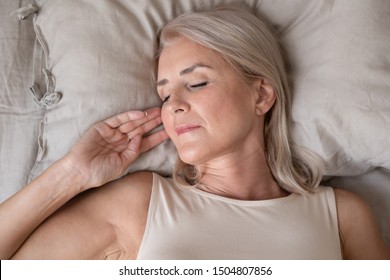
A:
153, 140
117, 120
153, 112
142, 125
133, 124
132, 151
138, 116
108, 134
142, 129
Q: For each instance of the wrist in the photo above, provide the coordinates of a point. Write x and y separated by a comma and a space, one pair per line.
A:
72, 176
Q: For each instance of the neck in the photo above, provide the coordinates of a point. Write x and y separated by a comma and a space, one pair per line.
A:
244, 176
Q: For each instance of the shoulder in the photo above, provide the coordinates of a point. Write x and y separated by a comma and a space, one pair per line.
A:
123, 206
347, 200
125, 199
131, 192
138, 183
359, 232
352, 210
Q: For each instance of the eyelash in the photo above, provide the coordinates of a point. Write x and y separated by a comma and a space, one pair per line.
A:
195, 86
199, 85
166, 99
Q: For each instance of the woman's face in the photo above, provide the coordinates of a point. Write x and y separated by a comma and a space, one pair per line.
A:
208, 111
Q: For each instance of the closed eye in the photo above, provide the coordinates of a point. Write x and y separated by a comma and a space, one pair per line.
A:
199, 85
194, 86
166, 99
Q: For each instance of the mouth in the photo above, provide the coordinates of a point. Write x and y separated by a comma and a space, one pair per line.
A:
182, 129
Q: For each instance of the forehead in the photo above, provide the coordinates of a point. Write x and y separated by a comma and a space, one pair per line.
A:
182, 53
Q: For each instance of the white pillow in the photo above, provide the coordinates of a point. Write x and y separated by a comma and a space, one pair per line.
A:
19, 114
340, 67
100, 56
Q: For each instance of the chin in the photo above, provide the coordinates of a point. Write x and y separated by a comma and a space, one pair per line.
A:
190, 156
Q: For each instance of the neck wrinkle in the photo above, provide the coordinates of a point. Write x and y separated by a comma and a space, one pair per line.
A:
245, 176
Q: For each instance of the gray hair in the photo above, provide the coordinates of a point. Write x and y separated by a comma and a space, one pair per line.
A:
249, 45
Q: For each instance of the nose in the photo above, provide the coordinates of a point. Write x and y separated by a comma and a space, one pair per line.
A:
178, 104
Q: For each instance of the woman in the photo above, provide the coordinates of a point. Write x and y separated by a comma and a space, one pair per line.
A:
241, 189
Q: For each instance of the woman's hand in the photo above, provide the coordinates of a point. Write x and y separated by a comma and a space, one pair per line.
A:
107, 149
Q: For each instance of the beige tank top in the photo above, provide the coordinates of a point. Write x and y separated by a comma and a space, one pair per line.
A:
187, 223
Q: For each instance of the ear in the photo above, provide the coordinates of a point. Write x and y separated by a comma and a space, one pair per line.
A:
265, 96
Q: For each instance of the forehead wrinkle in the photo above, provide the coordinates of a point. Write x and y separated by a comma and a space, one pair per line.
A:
192, 68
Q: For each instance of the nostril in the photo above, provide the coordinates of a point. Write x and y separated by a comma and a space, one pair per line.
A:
179, 110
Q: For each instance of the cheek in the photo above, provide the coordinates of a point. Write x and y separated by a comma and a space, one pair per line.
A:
167, 122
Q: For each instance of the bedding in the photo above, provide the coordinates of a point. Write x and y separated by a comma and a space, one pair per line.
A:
19, 114
69, 64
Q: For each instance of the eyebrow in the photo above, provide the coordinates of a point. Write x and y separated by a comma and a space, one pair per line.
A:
184, 72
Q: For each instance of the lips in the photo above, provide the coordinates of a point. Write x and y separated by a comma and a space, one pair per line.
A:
182, 129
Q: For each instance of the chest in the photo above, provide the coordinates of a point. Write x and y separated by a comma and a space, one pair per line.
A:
207, 229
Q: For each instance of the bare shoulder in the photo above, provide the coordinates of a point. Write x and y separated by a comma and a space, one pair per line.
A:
131, 189
125, 204
359, 232
134, 184
129, 192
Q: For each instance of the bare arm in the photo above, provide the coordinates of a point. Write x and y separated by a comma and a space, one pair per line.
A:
102, 223
23, 212
359, 232
103, 154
